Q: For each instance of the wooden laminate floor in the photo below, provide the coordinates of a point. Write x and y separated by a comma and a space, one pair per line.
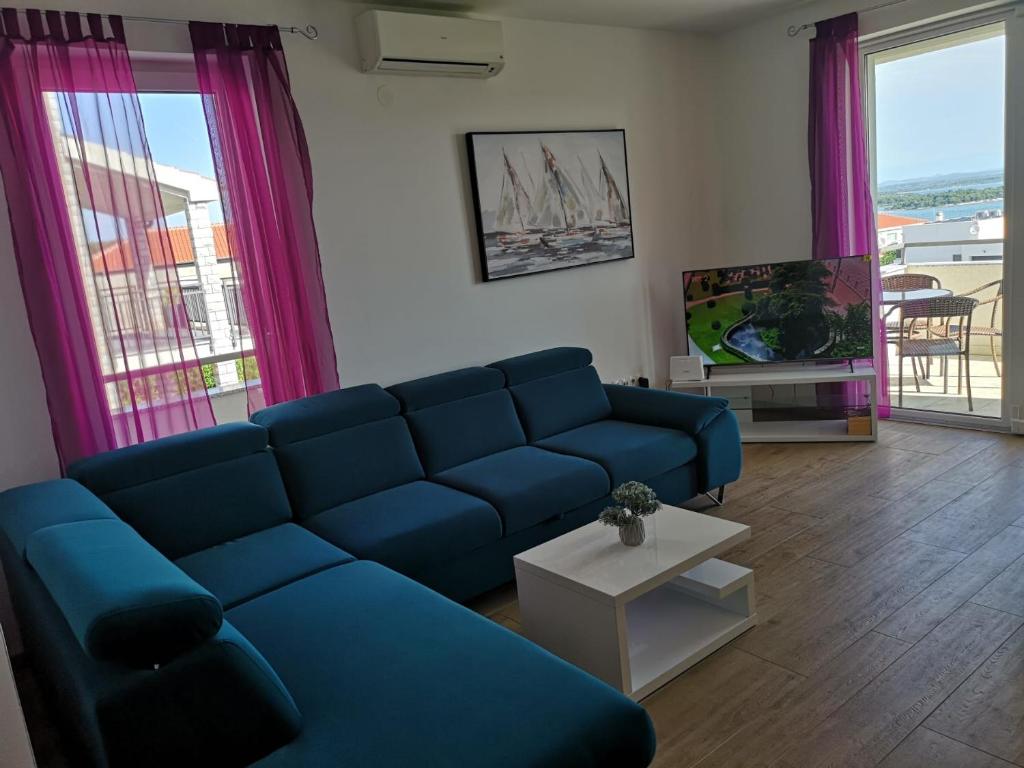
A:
890, 582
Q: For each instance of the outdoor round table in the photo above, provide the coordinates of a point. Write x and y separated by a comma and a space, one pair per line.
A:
897, 297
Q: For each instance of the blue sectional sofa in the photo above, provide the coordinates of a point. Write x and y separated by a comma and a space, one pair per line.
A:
277, 593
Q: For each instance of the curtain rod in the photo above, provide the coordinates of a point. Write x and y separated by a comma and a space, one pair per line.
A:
794, 30
309, 31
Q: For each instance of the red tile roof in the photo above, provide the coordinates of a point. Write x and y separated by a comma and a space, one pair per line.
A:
889, 220
117, 256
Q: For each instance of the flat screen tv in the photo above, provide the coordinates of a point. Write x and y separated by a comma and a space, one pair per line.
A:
785, 312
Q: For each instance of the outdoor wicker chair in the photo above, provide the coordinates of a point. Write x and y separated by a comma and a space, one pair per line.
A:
994, 293
899, 283
948, 312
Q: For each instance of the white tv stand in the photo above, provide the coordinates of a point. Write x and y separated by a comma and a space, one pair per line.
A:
809, 431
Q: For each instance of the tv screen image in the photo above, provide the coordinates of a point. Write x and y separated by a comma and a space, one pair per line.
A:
784, 312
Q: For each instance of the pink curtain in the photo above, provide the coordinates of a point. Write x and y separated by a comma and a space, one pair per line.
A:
89, 228
843, 216
265, 178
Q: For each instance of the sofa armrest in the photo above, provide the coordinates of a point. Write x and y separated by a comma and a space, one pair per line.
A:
707, 420
221, 704
661, 408
719, 452
124, 601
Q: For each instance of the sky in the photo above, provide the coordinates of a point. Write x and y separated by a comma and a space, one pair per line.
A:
176, 129
941, 112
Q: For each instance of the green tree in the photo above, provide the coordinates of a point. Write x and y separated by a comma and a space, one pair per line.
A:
852, 331
796, 307
210, 375
905, 201
247, 369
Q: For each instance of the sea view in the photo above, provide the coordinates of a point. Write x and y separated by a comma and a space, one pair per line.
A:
955, 195
963, 210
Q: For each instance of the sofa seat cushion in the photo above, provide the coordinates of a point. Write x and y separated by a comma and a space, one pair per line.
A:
529, 485
388, 674
411, 527
627, 451
244, 568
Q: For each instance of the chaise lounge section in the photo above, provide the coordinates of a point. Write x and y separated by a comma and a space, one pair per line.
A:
277, 593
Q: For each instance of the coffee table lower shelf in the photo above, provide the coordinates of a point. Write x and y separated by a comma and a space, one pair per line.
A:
640, 644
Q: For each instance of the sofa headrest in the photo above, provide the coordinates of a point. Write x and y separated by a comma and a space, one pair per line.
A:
26, 509
442, 388
145, 462
318, 415
125, 601
539, 365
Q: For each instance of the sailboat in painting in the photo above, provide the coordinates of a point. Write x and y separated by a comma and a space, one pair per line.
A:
514, 210
561, 211
558, 200
612, 214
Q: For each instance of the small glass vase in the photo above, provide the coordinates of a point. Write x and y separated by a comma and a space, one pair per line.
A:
632, 535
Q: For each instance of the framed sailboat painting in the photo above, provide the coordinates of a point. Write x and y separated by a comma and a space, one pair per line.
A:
549, 200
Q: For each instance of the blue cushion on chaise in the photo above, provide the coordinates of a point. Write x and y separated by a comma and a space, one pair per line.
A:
404, 677
626, 450
469, 437
252, 565
411, 527
529, 485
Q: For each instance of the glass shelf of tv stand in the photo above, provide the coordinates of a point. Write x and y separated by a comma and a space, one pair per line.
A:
782, 404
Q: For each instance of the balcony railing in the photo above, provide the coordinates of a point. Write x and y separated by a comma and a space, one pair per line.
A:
195, 309
237, 321
141, 320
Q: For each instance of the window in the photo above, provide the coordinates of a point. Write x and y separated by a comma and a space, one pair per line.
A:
196, 247
937, 102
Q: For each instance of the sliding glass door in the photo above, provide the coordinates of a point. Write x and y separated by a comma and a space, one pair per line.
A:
937, 117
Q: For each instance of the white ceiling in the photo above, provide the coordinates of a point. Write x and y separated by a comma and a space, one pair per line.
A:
695, 15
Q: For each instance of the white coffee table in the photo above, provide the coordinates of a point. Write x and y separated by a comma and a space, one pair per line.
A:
636, 617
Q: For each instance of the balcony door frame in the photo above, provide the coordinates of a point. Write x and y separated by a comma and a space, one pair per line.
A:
1012, 18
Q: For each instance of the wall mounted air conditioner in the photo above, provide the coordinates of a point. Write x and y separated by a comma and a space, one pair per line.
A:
393, 42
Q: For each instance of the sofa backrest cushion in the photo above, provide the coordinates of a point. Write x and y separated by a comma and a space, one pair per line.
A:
340, 446
191, 491
124, 601
555, 390
443, 388
321, 414
459, 416
540, 365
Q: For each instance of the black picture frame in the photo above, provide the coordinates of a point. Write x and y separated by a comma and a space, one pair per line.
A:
538, 244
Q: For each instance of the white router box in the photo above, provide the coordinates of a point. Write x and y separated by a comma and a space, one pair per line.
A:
686, 368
